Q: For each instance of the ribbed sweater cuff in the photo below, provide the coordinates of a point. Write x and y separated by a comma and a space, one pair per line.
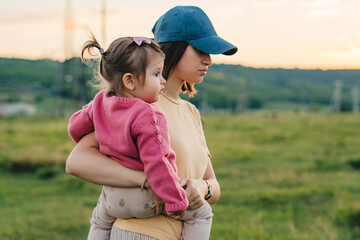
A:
177, 206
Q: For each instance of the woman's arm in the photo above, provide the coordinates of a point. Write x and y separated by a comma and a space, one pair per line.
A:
196, 189
211, 178
88, 163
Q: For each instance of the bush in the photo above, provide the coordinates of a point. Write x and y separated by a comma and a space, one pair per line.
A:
354, 163
48, 172
13, 96
350, 216
255, 103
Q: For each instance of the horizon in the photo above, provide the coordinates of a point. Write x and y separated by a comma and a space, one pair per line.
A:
229, 64
288, 34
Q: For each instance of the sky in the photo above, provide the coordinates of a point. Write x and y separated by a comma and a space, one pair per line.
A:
304, 34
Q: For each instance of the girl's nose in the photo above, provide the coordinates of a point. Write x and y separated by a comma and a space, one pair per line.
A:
162, 81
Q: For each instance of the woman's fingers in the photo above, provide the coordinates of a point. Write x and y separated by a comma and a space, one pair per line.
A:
159, 207
177, 214
183, 182
159, 203
193, 195
195, 202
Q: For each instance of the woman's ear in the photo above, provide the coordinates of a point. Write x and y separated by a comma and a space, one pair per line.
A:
128, 81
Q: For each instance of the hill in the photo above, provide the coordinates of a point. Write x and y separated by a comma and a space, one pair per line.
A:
228, 82
225, 86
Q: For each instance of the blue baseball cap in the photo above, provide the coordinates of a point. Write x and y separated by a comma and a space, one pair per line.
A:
192, 25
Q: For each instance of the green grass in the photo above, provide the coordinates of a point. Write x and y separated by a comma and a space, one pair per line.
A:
285, 179
32, 141
34, 208
293, 178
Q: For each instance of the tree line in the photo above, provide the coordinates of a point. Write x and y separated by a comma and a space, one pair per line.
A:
225, 86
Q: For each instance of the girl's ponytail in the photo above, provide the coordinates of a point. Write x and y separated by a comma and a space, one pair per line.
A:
88, 45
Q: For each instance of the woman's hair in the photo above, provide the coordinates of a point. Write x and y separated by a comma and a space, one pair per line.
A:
123, 56
173, 53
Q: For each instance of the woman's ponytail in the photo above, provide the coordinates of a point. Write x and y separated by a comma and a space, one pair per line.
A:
189, 88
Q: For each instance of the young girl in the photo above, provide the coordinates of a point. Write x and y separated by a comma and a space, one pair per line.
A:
133, 132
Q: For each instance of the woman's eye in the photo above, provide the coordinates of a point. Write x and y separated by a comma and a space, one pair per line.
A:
198, 51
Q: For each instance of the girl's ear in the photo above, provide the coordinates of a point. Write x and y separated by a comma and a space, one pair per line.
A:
128, 81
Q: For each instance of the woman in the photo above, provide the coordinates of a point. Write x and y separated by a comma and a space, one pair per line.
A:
187, 38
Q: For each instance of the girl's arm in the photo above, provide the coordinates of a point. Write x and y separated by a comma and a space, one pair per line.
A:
88, 163
196, 189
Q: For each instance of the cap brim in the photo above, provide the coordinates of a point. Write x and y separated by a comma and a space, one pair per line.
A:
213, 45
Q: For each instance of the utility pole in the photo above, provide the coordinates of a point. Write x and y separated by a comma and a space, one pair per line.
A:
355, 97
204, 106
68, 31
103, 22
242, 103
337, 96
304, 97
68, 53
82, 76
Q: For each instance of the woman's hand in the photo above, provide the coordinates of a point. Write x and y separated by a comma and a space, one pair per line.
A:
177, 214
159, 203
196, 190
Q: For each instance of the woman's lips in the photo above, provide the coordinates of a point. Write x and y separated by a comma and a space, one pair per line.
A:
203, 72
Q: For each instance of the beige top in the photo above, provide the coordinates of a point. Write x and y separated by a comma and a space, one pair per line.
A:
192, 155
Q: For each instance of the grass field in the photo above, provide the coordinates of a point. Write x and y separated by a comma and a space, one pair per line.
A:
293, 178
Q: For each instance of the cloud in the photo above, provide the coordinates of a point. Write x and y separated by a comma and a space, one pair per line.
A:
342, 38
348, 47
268, 3
272, 1
320, 3
353, 52
326, 12
305, 3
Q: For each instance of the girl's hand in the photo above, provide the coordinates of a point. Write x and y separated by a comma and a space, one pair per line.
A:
159, 203
196, 190
177, 214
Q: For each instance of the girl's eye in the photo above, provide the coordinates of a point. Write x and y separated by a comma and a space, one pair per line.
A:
157, 74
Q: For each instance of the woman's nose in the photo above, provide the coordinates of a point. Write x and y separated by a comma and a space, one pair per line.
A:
207, 59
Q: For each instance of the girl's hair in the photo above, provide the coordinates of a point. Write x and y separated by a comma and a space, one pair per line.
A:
173, 53
123, 56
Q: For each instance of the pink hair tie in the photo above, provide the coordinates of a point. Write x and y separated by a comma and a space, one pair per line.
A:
101, 50
139, 41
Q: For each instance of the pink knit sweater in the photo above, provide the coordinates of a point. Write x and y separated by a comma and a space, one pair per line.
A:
133, 133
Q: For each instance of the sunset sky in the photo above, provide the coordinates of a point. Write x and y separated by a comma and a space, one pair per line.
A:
269, 33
